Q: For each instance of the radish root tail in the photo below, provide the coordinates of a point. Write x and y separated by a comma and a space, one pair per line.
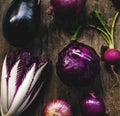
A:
115, 74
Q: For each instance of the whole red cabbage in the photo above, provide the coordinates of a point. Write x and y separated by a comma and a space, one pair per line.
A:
92, 105
77, 64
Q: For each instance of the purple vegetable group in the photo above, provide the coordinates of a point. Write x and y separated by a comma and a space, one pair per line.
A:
77, 64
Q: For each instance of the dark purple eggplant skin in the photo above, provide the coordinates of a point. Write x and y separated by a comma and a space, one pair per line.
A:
20, 22
77, 64
92, 106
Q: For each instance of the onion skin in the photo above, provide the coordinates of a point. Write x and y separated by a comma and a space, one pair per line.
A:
92, 105
57, 107
77, 64
66, 7
111, 56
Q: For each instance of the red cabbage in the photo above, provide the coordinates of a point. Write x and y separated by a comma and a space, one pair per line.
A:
77, 64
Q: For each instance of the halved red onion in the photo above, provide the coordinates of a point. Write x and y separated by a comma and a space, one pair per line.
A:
57, 107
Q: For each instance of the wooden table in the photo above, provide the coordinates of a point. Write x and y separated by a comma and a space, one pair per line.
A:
53, 38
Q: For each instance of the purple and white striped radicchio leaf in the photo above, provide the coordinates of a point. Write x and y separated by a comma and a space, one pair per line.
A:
21, 81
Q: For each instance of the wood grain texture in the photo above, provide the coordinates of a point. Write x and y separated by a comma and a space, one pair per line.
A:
51, 38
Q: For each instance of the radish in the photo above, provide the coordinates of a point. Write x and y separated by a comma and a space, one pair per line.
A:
111, 56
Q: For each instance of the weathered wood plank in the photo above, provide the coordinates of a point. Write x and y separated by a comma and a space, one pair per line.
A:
53, 39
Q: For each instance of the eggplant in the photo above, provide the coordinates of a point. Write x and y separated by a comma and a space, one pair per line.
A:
20, 22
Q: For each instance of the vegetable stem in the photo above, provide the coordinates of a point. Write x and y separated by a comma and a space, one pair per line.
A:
107, 38
74, 37
108, 35
113, 25
2, 114
92, 94
100, 19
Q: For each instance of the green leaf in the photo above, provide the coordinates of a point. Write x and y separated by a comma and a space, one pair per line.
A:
98, 18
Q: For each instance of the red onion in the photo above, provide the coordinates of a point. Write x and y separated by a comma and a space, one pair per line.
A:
22, 78
57, 107
92, 105
66, 7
